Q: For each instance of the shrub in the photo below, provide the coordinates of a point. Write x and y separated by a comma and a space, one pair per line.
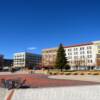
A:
82, 74
54, 73
50, 73
67, 73
75, 73
95, 73
67, 67
89, 73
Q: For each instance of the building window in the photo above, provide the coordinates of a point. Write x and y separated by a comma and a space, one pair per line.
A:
98, 51
89, 56
69, 50
88, 52
82, 57
69, 57
82, 48
75, 53
75, 57
75, 49
69, 53
82, 52
89, 47
90, 61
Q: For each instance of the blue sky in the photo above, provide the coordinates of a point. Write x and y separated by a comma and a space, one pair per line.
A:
42, 24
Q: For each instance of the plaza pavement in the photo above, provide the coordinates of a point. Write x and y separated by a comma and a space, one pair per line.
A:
59, 93
44, 87
3, 93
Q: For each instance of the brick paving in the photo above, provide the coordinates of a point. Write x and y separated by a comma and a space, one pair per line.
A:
40, 81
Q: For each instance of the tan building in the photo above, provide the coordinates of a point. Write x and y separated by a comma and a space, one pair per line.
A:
81, 56
49, 57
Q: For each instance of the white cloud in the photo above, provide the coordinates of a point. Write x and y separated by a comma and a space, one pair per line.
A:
31, 48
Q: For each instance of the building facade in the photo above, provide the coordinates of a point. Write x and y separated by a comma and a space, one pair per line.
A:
81, 57
49, 57
26, 60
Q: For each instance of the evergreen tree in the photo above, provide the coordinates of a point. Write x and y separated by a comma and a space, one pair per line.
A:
61, 60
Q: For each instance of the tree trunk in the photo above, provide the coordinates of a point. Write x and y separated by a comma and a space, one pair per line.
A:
61, 69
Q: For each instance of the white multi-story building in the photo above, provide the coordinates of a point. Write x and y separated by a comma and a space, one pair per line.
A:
26, 60
81, 56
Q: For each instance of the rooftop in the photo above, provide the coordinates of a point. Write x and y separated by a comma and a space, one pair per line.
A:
83, 44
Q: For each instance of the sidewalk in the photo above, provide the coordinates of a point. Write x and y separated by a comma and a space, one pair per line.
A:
15, 73
91, 78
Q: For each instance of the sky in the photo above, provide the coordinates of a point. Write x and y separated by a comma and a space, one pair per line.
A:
32, 25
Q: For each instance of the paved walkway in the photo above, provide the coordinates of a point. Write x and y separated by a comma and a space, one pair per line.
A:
91, 78
59, 93
15, 73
